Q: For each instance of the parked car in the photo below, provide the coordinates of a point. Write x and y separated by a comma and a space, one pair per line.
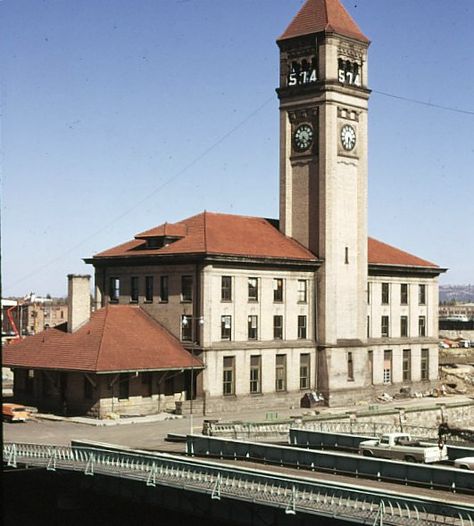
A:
15, 413
464, 463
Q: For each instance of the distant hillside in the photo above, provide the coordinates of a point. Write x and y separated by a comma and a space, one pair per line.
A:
456, 293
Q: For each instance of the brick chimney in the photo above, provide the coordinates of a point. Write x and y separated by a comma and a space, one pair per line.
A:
78, 301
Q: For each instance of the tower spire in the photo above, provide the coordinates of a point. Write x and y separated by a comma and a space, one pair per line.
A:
328, 16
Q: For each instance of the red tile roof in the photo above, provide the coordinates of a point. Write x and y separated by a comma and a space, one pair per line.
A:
117, 338
164, 230
383, 254
329, 16
256, 237
221, 234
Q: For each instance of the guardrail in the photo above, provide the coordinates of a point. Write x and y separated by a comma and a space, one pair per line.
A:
322, 439
291, 494
439, 477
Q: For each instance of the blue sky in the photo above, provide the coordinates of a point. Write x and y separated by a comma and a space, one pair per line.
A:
118, 115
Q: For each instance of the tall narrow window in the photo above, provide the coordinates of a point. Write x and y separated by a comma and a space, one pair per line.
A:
226, 288
226, 327
164, 289
422, 326
280, 372
385, 293
278, 290
422, 294
305, 362
134, 289
425, 364
255, 374
114, 289
228, 380
252, 327
385, 326
368, 326
406, 367
149, 284
404, 294
369, 290
403, 326
387, 367
301, 327
277, 327
253, 289
346, 256
186, 328
302, 291
371, 365
186, 288
350, 366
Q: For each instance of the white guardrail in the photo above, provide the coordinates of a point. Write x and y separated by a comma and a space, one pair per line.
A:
291, 494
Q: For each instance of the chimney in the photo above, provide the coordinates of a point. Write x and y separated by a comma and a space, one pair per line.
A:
78, 301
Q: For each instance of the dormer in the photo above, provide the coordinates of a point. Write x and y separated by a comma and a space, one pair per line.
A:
162, 236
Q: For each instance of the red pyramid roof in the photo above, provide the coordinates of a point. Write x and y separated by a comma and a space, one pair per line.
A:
116, 338
329, 16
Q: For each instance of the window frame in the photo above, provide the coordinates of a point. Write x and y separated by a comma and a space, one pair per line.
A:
302, 293
280, 379
149, 289
250, 328
277, 330
231, 380
186, 288
421, 294
302, 328
384, 318
255, 385
226, 290
404, 293
134, 289
252, 290
422, 326
305, 371
185, 327
425, 365
226, 331
114, 289
404, 326
385, 293
278, 286
164, 288
406, 365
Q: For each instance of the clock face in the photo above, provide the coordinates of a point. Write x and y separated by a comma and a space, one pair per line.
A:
348, 137
303, 137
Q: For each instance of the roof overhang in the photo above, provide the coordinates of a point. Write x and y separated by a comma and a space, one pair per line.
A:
378, 269
113, 371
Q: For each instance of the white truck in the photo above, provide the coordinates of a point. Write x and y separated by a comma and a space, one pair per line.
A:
400, 446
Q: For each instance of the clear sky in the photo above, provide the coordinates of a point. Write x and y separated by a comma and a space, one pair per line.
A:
118, 115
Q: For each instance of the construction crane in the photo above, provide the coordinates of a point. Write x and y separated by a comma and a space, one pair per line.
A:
27, 299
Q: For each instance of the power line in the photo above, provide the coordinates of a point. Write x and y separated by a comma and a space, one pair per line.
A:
149, 195
423, 103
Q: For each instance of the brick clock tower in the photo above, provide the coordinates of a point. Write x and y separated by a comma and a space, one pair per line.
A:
323, 171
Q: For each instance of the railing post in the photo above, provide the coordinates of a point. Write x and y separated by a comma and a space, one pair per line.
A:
291, 508
52, 460
89, 470
12, 457
216, 490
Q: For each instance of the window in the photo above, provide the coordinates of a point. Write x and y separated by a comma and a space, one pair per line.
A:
368, 326
301, 327
134, 289
385, 293
253, 289
385, 326
371, 366
350, 366
87, 389
255, 374
164, 289
425, 363
305, 361
253, 327
422, 294
186, 328
226, 327
149, 288
421, 326
406, 366
278, 289
186, 288
404, 326
346, 256
302, 291
228, 383
404, 294
387, 367
114, 289
280, 372
226, 288
124, 386
277, 327
369, 290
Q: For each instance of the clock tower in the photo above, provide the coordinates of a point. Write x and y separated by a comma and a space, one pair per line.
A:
323, 170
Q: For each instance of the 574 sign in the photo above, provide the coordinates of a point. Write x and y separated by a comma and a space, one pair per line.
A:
307, 76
